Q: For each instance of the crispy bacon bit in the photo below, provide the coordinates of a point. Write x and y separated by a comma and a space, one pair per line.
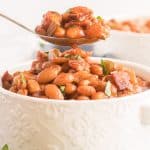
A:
77, 51
81, 10
40, 30
42, 56
121, 79
7, 80
50, 17
36, 66
77, 13
79, 65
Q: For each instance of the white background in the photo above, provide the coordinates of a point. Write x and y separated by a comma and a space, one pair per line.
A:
17, 45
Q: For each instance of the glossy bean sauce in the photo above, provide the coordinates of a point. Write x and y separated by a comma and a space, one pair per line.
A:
72, 75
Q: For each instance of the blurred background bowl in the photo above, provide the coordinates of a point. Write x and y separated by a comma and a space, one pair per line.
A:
126, 45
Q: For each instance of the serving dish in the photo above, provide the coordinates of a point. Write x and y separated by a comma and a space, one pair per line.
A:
114, 124
126, 45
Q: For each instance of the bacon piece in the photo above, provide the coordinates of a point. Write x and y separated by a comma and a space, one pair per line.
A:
42, 56
79, 13
40, 30
79, 65
77, 51
49, 17
7, 80
121, 79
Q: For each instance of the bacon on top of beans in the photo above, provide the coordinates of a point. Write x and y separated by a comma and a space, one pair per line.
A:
72, 75
77, 22
138, 25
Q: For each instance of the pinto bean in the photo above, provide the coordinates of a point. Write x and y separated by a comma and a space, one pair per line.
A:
48, 74
94, 81
46, 64
81, 75
99, 95
84, 82
94, 31
96, 69
75, 32
28, 75
59, 32
33, 86
53, 92
70, 88
59, 60
64, 78
86, 90
101, 86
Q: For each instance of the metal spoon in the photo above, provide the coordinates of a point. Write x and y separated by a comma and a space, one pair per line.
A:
54, 40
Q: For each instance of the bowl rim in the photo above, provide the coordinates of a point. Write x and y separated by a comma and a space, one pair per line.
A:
7, 93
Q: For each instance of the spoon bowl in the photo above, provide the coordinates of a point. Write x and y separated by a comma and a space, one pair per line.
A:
54, 40
68, 41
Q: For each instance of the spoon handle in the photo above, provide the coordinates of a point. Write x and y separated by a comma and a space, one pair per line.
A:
16, 22
23, 26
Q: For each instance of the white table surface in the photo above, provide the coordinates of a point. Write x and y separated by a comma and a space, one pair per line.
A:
17, 46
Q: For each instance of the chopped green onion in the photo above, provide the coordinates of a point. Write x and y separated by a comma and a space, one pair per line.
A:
56, 52
107, 66
67, 56
23, 78
103, 65
99, 18
62, 89
5, 147
108, 88
78, 57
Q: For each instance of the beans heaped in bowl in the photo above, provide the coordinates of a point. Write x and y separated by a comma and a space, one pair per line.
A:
137, 25
73, 75
77, 22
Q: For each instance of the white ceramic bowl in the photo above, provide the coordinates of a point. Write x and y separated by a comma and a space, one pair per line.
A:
126, 45
28, 123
